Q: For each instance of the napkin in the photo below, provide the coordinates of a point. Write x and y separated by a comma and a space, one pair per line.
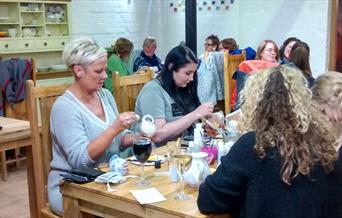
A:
147, 196
110, 177
117, 164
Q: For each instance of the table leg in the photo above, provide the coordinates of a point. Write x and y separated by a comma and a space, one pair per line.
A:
71, 207
4, 165
17, 154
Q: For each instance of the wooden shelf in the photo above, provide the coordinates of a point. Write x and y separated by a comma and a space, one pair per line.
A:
9, 23
31, 25
56, 23
34, 16
31, 12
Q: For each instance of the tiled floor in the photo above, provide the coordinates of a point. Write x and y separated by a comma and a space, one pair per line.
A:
14, 201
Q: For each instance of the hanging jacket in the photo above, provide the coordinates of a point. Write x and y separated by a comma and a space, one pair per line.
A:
13, 75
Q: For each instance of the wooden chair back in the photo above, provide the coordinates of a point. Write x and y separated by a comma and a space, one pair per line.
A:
18, 110
39, 104
231, 63
126, 89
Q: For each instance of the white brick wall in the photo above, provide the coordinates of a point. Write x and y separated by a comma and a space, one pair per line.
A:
248, 21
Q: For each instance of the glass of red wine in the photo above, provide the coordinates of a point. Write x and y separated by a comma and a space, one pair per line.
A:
142, 149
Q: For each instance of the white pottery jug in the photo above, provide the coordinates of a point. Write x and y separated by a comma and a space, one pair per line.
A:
198, 170
148, 127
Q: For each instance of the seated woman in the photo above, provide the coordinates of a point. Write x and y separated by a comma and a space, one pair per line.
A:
286, 164
171, 99
230, 45
285, 49
147, 57
118, 61
268, 51
327, 92
86, 128
300, 57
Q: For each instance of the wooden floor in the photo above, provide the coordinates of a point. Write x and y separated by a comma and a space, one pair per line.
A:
14, 194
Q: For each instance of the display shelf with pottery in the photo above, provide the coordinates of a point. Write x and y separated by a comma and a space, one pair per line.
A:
24, 20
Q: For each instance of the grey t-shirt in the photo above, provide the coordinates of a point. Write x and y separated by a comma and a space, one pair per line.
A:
155, 101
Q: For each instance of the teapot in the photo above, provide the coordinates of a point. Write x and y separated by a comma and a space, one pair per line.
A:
199, 169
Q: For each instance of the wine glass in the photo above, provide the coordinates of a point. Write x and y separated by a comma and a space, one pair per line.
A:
142, 149
183, 162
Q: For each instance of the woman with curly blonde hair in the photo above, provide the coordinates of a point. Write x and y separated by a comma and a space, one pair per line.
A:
327, 92
286, 164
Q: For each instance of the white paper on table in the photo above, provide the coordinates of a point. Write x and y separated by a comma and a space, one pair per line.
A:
147, 196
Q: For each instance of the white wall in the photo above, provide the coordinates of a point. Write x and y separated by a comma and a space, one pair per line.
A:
248, 21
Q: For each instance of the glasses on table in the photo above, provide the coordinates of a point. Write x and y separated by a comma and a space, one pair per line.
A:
183, 160
142, 149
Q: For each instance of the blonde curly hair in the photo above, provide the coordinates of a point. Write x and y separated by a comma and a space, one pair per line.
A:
277, 105
327, 92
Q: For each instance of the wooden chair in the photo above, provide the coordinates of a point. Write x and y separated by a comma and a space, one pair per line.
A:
39, 104
16, 111
231, 63
127, 88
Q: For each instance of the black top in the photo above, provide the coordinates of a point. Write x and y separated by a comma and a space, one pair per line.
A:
246, 186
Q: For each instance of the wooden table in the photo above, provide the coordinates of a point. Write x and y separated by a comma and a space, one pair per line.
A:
94, 198
16, 133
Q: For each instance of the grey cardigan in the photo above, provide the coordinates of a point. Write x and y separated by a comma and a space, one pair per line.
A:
72, 127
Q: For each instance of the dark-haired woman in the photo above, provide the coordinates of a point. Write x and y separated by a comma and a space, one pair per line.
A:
285, 49
172, 98
300, 57
286, 165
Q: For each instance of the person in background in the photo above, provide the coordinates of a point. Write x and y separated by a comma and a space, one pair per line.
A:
212, 43
286, 164
300, 57
147, 57
118, 61
267, 51
86, 128
230, 45
285, 49
327, 92
171, 98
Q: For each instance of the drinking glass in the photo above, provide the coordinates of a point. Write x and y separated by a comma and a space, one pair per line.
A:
142, 149
172, 148
183, 162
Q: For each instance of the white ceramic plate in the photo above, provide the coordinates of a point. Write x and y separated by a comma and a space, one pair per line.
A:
148, 163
